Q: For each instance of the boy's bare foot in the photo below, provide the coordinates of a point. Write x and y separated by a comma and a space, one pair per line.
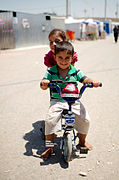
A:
45, 155
83, 143
86, 144
89, 146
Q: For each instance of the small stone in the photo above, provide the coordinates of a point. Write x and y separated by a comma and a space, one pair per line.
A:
89, 170
82, 173
113, 146
7, 171
98, 162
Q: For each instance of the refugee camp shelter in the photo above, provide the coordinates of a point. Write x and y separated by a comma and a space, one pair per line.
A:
107, 26
76, 26
19, 29
85, 28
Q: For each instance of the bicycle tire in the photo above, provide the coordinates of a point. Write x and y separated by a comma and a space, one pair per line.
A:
67, 147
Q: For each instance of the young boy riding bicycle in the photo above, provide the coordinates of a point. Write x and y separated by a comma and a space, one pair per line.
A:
66, 72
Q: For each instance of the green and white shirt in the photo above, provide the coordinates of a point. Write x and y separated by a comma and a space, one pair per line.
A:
53, 74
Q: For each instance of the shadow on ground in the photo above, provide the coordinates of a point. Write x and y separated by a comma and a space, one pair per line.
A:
35, 142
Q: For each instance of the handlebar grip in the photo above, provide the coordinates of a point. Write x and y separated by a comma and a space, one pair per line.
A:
91, 85
100, 84
50, 84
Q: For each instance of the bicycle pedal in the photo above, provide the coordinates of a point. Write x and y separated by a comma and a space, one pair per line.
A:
83, 150
50, 144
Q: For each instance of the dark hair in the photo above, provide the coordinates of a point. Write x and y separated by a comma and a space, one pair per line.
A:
59, 32
64, 46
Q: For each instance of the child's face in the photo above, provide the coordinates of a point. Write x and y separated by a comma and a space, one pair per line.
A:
54, 39
63, 59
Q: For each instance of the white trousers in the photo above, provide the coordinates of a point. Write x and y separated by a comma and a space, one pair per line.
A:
53, 117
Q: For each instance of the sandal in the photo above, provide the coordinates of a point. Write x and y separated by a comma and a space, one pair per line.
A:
45, 155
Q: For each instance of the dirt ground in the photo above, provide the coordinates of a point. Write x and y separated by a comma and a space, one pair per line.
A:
23, 106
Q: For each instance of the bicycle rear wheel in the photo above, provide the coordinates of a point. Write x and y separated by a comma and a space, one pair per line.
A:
67, 147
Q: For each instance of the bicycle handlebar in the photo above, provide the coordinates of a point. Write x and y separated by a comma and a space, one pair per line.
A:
56, 85
86, 85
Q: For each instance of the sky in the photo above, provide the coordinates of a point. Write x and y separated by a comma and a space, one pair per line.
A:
77, 8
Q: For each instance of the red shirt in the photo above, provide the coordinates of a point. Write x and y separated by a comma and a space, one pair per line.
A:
49, 59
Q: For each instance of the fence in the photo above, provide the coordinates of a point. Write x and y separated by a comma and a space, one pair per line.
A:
6, 31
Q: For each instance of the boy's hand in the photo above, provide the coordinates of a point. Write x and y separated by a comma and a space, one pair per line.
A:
96, 83
44, 84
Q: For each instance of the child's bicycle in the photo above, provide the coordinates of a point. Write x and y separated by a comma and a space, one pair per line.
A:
68, 141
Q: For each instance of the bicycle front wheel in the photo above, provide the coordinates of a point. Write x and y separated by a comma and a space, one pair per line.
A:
67, 147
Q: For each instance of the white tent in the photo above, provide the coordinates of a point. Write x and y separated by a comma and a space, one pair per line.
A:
90, 21
70, 20
75, 25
